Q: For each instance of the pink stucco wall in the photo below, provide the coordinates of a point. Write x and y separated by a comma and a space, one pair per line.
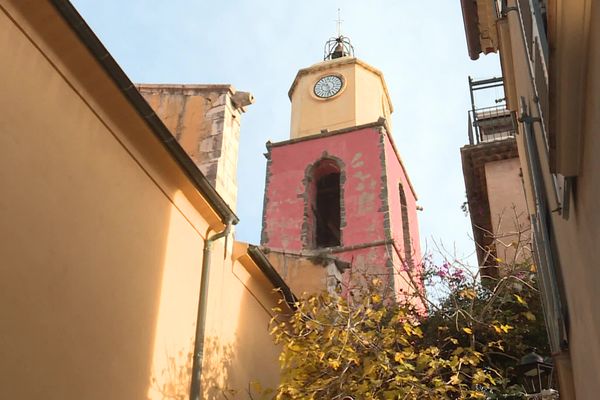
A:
396, 175
359, 151
371, 212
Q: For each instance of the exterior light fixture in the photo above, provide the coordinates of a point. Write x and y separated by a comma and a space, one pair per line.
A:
535, 374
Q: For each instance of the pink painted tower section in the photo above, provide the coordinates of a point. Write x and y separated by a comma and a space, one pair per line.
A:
344, 194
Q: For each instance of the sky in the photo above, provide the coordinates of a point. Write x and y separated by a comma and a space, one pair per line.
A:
259, 45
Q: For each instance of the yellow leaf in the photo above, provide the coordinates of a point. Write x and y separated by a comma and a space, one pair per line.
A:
454, 380
477, 395
533, 268
497, 329
335, 364
506, 328
417, 331
453, 340
376, 298
520, 299
479, 377
398, 357
468, 331
529, 315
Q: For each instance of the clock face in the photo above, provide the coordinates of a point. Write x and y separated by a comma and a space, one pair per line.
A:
328, 86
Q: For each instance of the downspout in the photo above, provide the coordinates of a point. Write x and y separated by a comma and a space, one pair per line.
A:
196, 387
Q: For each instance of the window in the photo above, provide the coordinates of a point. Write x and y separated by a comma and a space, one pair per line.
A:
326, 203
405, 228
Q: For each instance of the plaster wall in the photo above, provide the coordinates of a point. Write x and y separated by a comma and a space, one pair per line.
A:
508, 211
238, 347
371, 216
371, 100
576, 237
285, 192
299, 272
407, 271
101, 237
363, 99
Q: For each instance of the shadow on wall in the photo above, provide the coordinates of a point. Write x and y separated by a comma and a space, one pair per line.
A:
173, 381
240, 357
218, 361
255, 355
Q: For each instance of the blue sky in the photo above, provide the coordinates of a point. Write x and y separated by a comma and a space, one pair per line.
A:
258, 46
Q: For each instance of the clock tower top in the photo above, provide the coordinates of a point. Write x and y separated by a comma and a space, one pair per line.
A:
339, 92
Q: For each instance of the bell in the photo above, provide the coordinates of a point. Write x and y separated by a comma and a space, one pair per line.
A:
339, 51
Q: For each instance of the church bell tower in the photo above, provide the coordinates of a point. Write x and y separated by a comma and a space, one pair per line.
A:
337, 189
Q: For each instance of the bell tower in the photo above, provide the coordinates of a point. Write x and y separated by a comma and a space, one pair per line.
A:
340, 92
337, 189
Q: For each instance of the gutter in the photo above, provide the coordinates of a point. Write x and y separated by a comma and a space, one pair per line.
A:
471, 22
196, 381
110, 66
272, 275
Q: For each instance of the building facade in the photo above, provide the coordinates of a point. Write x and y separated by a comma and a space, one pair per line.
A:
120, 278
550, 59
492, 172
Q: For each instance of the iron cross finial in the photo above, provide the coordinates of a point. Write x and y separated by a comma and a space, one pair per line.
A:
339, 23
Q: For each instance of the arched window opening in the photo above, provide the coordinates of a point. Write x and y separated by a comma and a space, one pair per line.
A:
405, 227
326, 205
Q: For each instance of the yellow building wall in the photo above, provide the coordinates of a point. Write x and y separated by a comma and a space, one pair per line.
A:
238, 350
101, 237
508, 210
302, 275
575, 238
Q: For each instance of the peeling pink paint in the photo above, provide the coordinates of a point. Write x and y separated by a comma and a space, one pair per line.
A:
396, 176
284, 214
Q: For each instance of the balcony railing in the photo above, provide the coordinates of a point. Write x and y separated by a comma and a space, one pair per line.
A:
491, 124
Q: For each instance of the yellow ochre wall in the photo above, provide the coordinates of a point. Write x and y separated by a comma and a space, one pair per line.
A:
574, 41
508, 210
101, 238
363, 98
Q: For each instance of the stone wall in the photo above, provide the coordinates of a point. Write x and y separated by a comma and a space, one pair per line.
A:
205, 120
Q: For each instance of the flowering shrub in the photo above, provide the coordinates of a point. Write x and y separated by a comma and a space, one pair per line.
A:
367, 346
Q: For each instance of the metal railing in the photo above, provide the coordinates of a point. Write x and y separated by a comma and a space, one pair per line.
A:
491, 124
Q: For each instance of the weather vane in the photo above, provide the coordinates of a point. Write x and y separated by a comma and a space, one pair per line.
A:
338, 46
339, 23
